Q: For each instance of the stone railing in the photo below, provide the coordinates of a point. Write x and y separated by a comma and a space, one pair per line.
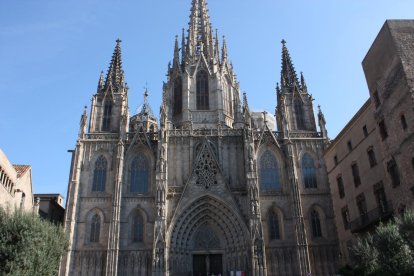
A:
204, 132
102, 136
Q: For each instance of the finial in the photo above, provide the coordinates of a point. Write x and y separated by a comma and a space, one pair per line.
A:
118, 41
283, 42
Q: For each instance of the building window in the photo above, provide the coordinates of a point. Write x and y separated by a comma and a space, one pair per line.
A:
380, 197
341, 188
273, 226
178, 99
362, 205
383, 129
308, 171
355, 174
365, 131
349, 144
99, 175
137, 228
300, 121
371, 157
228, 107
202, 97
403, 122
139, 174
377, 100
269, 172
336, 160
345, 217
316, 224
95, 228
22, 200
394, 173
106, 119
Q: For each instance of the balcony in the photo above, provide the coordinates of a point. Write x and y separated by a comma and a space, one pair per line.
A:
372, 217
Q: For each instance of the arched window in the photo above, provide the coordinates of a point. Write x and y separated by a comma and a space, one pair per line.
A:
269, 172
139, 174
99, 175
316, 224
95, 228
308, 172
106, 118
202, 97
137, 228
178, 93
228, 107
300, 122
274, 233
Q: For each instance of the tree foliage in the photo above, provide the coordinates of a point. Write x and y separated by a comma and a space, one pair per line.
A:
389, 250
29, 245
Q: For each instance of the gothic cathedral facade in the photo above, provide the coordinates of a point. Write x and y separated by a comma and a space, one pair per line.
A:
202, 191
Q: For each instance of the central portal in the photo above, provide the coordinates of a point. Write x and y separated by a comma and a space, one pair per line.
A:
207, 264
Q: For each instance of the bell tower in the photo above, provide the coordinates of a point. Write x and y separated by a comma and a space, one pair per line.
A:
110, 103
294, 103
201, 90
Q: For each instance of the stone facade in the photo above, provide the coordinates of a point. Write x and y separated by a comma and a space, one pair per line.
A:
15, 185
371, 163
205, 191
50, 207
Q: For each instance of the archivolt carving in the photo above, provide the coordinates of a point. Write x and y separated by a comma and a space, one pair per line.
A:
203, 213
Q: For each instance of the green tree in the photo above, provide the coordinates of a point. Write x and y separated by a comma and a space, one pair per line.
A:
389, 250
29, 245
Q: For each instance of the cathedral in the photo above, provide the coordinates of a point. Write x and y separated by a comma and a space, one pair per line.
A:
203, 189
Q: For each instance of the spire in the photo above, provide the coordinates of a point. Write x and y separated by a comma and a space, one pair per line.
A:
100, 82
303, 83
115, 76
224, 51
288, 75
216, 46
199, 32
176, 60
183, 52
322, 123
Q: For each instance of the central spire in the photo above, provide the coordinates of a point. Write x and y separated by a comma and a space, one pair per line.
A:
288, 76
115, 76
200, 38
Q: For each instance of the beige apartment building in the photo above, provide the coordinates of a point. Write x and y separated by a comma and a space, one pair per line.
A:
371, 162
16, 185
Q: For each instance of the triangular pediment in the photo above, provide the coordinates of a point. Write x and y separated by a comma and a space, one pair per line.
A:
140, 138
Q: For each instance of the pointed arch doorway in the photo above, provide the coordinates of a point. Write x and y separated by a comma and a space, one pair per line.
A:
207, 252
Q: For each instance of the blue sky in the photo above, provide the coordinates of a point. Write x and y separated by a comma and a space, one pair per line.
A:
52, 52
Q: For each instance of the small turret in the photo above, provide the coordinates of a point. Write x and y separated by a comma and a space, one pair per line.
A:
144, 117
100, 82
82, 124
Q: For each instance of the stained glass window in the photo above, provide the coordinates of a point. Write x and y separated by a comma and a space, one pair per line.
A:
95, 228
99, 175
269, 172
139, 174
202, 97
308, 172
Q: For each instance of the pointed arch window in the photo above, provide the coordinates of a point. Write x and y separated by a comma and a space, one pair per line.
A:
316, 224
139, 174
300, 120
274, 233
269, 172
99, 175
178, 96
202, 97
106, 118
228, 107
137, 228
95, 228
308, 171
